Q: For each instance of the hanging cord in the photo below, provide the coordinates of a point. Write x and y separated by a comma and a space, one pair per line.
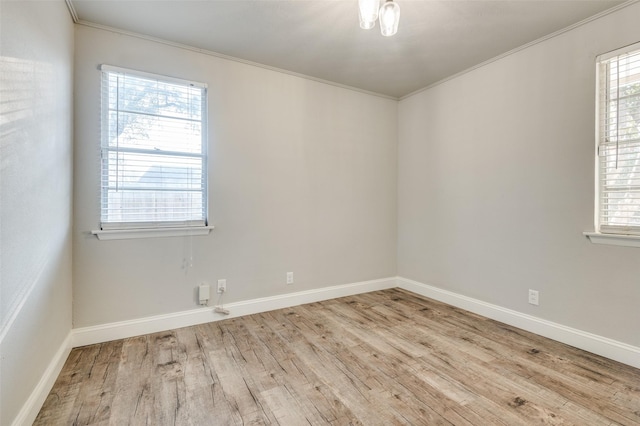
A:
190, 262
118, 153
617, 107
220, 305
187, 177
187, 252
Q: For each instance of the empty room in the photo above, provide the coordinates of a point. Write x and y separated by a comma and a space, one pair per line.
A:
324, 212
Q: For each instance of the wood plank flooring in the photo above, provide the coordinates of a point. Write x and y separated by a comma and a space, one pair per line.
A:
383, 358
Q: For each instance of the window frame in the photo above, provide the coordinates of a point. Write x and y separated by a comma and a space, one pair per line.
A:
152, 228
627, 235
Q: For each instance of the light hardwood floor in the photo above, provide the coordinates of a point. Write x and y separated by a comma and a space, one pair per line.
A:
383, 358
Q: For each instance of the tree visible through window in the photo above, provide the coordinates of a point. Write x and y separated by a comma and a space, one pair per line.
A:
619, 142
154, 162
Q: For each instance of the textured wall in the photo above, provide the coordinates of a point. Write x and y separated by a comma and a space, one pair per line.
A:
496, 185
36, 64
302, 179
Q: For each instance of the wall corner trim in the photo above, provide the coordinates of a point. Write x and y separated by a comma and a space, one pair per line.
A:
609, 348
32, 406
123, 329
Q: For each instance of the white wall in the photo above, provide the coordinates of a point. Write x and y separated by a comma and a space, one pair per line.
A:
495, 186
36, 64
302, 179
493, 171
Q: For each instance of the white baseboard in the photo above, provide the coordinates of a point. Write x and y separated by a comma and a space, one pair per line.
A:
123, 329
31, 408
599, 345
593, 343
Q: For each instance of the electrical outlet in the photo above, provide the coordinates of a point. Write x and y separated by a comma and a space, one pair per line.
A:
222, 286
533, 297
289, 277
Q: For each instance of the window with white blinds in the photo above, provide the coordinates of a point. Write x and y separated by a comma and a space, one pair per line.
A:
154, 162
619, 142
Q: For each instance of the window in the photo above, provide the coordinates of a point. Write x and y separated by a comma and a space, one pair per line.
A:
618, 133
154, 162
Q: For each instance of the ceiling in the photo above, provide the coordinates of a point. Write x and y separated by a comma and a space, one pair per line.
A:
322, 38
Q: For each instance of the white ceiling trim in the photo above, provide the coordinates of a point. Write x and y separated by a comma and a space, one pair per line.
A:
230, 58
524, 46
72, 11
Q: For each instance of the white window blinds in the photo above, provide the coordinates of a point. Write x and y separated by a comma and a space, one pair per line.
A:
619, 141
154, 163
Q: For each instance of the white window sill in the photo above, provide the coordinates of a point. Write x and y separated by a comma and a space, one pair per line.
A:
126, 234
613, 239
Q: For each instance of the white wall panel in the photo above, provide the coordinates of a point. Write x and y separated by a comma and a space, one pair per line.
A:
36, 68
302, 179
496, 185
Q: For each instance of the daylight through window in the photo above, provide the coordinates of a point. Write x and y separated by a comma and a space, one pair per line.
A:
154, 161
619, 142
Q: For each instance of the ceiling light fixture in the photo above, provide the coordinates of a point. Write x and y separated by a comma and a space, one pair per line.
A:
389, 15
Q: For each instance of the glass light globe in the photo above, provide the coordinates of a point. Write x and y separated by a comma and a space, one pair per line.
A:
389, 18
368, 13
